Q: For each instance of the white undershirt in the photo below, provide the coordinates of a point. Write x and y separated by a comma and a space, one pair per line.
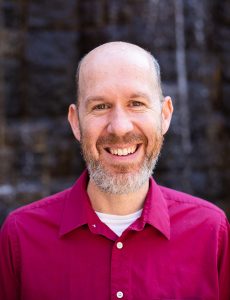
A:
118, 223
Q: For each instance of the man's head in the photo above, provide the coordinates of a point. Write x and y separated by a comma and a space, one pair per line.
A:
121, 116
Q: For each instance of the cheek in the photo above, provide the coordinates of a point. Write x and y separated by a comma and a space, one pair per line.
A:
91, 131
150, 124
152, 129
89, 138
91, 127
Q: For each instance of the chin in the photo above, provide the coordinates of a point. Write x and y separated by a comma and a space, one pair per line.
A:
121, 180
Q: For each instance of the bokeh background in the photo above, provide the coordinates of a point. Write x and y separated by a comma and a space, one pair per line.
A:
41, 42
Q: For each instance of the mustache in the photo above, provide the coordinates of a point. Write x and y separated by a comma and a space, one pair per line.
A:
129, 138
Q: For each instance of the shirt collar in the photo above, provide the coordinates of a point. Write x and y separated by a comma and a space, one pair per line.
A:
76, 206
78, 210
155, 210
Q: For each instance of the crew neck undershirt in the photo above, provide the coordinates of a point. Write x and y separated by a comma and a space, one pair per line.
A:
118, 223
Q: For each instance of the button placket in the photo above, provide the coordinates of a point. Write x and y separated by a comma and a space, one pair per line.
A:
119, 270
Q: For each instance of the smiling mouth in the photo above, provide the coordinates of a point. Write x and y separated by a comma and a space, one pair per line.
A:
122, 151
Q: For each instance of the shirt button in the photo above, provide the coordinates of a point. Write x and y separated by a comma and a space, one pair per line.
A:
120, 295
119, 245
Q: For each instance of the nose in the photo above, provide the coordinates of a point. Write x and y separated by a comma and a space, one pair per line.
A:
120, 122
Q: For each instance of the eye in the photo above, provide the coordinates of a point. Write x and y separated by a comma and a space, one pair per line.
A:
101, 106
136, 103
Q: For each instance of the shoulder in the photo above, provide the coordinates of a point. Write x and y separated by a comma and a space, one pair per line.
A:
47, 209
188, 205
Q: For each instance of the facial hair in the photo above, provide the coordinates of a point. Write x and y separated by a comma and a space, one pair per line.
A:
127, 178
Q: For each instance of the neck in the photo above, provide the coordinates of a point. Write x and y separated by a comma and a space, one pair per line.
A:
116, 204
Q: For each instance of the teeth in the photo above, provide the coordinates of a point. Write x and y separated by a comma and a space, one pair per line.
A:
120, 151
123, 152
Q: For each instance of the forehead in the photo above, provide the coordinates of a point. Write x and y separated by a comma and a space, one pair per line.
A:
118, 67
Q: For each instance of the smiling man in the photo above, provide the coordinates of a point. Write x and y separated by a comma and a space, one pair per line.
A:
116, 234
120, 121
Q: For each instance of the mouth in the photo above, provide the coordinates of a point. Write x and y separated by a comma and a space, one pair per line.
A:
122, 151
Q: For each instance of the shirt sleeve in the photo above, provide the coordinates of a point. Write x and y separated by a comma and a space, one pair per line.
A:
9, 261
224, 261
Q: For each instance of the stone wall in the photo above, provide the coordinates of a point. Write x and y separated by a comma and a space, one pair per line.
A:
40, 45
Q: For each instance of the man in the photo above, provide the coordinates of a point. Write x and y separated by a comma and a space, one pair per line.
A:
116, 234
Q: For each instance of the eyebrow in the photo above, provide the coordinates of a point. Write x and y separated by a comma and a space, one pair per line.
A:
139, 95
94, 99
100, 98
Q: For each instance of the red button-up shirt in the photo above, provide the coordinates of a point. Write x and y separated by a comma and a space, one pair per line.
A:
57, 248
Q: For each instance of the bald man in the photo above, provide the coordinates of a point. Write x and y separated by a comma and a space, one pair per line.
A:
116, 234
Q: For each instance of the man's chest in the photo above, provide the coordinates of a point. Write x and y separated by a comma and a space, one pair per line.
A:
140, 265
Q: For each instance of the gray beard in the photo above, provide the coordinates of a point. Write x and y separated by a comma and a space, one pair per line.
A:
122, 183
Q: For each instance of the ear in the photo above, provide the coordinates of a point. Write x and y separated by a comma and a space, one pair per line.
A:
74, 121
167, 110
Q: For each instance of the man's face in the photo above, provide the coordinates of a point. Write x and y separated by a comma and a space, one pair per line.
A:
120, 122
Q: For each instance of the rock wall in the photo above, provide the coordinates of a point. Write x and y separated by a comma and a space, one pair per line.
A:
40, 45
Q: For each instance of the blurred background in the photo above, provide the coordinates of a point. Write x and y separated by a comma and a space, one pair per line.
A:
41, 43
